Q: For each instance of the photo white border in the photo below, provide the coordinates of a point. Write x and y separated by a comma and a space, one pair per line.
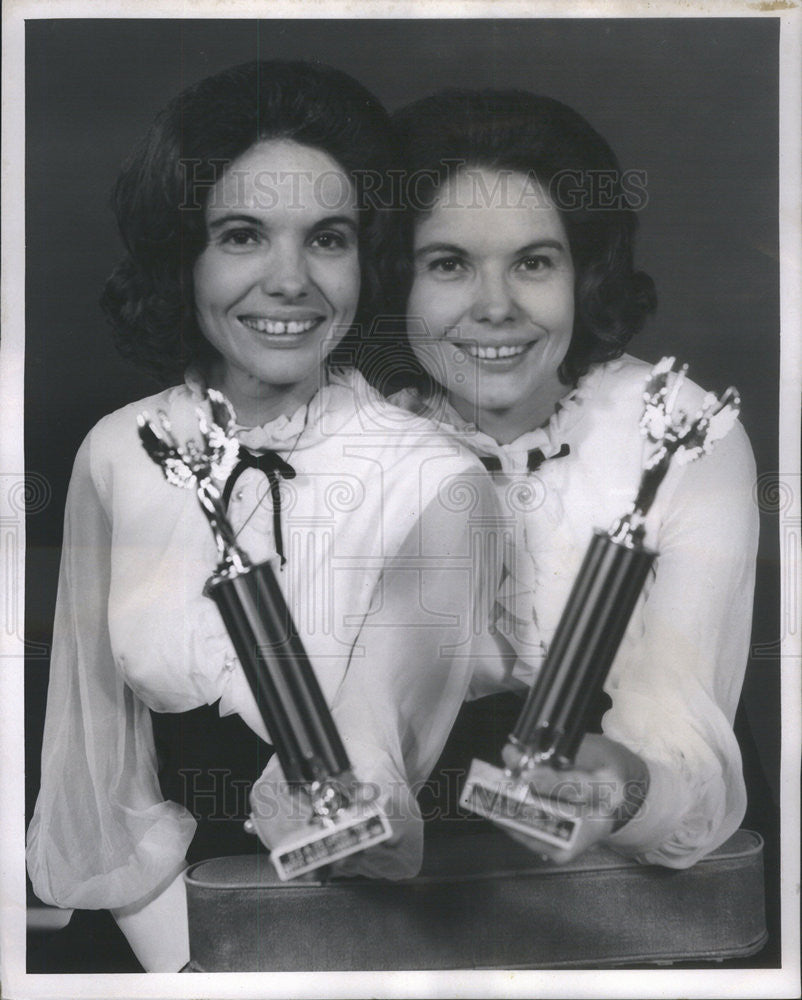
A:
707, 983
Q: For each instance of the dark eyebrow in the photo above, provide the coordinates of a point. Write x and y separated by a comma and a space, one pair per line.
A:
457, 251
252, 220
224, 220
450, 248
335, 220
540, 245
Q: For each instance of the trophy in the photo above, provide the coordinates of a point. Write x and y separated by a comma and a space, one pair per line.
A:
554, 718
272, 655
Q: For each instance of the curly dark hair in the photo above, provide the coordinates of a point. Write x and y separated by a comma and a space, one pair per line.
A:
161, 193
549, 142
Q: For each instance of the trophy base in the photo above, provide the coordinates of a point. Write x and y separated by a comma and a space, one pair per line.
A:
353, 830
491, 792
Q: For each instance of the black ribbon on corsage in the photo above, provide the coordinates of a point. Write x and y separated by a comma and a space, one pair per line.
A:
272, 466
534, 459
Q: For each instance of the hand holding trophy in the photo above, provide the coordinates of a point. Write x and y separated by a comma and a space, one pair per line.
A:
553, 721
271, 653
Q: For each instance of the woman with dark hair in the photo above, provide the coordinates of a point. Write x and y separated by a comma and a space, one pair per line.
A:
516, 273
249, 238
160, 195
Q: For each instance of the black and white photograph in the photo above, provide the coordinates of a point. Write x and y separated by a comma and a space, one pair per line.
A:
399, 485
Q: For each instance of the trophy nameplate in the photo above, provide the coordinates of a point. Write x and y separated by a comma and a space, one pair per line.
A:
351, 830
490, 792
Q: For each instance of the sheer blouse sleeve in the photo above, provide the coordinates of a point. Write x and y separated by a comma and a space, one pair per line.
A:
101, 835
410, 668
676, 686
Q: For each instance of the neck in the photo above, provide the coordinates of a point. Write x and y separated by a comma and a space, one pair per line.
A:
255, 402
507, 424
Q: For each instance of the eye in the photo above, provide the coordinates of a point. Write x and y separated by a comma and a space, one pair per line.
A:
535, 263
241, 236
330, 239
446, 265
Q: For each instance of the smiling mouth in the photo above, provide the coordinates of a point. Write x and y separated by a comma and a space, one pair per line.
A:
495, 353
279, 327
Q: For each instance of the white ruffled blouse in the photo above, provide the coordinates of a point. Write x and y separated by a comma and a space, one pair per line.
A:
381, 578
677, 678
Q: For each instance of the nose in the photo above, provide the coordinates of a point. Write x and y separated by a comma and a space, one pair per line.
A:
493, 303
286, 273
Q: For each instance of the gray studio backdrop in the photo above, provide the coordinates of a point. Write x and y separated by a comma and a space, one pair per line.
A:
691, 102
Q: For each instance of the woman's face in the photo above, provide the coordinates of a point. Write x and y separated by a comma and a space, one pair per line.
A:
491, 310
277, 285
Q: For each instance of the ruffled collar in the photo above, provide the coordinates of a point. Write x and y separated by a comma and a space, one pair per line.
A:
329, 408
549, 438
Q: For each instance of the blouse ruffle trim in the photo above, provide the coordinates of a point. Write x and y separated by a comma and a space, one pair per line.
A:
549, 438
333, 401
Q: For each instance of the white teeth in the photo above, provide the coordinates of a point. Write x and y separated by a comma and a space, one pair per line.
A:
492, 353
276, 326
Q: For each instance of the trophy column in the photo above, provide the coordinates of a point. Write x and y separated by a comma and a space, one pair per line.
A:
280, 675
554, 718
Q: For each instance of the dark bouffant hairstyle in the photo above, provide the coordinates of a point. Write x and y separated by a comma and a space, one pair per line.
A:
161, 193
543, 139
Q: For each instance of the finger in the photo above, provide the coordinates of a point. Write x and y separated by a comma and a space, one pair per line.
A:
537, 847
546, 853
567, 784
568, 787
511, 756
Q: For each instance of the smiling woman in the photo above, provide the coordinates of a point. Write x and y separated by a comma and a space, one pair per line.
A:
277, 285
521, 295
495, 286
248, 264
